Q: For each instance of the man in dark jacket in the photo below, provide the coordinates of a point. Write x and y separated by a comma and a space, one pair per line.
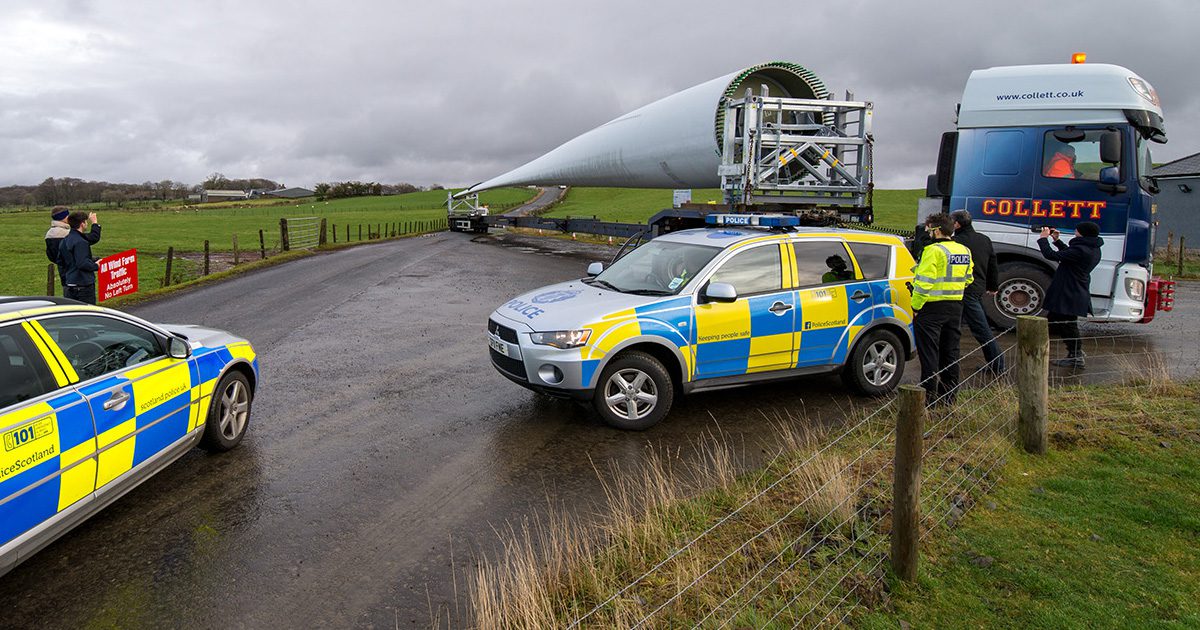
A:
59, 228
986, 281
75, 255
1069, 296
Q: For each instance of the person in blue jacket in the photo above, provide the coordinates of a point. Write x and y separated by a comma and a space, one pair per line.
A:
1069, 297
75, 256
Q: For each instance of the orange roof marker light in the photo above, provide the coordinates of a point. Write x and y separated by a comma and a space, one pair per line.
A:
1079, 58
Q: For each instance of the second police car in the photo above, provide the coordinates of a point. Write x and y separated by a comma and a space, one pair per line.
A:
95, 401
712, 308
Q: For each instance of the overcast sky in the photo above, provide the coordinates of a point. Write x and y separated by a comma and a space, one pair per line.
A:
454, 92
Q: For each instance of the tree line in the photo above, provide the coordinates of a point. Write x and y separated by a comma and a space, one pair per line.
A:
339, 190
66, 191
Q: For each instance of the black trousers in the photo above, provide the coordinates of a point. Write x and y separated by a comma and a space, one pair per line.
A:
938, 329
1067, 329
85, 293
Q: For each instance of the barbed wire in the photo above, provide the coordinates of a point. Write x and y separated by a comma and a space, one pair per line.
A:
976, 457
738, 510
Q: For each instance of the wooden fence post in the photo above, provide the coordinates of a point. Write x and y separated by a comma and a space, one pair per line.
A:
283, 238
50, 269
237, 253
1170, 242
906, 482
1033, 382
206, 265
262, 245
170, 259
333, 231
347, 232
360, 231
323, 236
1182, 249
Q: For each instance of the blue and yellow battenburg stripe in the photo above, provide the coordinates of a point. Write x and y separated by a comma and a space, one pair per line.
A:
56, 452
742, 337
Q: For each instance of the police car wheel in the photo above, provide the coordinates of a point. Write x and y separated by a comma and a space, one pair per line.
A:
228, 413
634, 392
876, 364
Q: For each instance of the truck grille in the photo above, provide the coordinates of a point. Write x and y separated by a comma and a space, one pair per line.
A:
513, 367
503, 332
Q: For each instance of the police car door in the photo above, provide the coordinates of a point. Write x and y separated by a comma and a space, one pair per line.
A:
752, 333
139, 396
47, 440
834, 302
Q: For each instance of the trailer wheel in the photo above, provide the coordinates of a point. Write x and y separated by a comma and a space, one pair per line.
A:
1022, 292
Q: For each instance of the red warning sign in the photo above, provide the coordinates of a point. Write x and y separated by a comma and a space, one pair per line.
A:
118, 275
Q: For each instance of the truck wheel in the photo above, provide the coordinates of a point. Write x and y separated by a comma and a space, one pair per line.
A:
634, 392
228, 413
1022, 292
876, 364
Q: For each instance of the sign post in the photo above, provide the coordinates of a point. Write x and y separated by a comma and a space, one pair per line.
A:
118, 275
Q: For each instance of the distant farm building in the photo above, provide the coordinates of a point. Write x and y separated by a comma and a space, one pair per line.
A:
290, 193
1178, 200
222, 195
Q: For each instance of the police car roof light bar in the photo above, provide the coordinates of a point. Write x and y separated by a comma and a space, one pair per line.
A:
782, 221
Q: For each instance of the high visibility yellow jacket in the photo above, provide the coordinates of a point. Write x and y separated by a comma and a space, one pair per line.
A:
943, 273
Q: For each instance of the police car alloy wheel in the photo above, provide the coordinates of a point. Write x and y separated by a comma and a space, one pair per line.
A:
876, 364
228, 413
634, 392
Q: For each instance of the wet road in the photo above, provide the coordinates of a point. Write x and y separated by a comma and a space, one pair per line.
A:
384, 450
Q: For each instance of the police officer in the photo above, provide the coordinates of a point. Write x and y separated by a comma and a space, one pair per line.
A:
939, 281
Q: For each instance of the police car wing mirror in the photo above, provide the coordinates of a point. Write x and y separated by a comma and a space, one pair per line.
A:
178, 348
595, 268
719, 292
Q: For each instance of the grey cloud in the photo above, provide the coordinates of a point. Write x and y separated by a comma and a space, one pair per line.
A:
456, 92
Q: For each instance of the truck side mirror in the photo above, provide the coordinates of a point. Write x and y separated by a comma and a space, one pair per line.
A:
1110, 175
595, 268
1110, 180
1110, 147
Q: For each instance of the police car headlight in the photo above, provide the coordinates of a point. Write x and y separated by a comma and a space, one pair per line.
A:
561, 338
1135, 288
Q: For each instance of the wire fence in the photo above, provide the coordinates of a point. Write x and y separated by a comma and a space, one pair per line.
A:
819, 556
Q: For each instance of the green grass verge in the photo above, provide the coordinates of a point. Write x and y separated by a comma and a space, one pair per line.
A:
893, 208
151, 231
1104, 532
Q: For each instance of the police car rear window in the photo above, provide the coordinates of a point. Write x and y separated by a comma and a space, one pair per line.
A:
874, 260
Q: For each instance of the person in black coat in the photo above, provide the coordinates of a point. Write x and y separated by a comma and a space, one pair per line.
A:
75, 254
986, 282
59, 229
1069, 296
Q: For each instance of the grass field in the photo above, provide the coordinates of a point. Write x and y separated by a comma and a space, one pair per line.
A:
1101, 532
893, 208
152, 231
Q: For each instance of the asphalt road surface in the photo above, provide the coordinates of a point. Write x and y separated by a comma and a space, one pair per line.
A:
384, 450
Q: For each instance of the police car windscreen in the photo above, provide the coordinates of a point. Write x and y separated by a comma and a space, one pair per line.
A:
657, 268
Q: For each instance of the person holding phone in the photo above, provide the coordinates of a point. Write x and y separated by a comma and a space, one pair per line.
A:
1069, 297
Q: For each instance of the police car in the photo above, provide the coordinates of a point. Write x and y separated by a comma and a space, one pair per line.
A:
751, 298
95, 401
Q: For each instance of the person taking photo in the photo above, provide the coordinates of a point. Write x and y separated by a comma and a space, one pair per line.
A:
75, 255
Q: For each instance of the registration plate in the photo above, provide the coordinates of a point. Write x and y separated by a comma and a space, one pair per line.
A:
498, 346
